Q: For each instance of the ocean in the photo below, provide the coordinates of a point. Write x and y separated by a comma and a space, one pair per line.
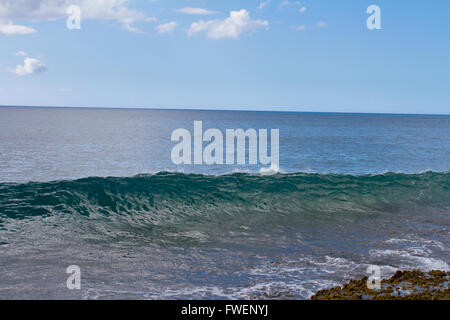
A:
97, 188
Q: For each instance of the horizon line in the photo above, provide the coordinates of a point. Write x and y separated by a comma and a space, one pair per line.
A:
226, 110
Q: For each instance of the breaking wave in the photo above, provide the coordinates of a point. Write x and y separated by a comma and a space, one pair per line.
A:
175, 199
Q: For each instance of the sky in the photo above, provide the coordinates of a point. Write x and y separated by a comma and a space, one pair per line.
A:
280, 55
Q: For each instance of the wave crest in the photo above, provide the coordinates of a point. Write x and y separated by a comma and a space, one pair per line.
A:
176, 197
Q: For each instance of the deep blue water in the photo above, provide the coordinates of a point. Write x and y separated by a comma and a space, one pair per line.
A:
42, 144
97, 188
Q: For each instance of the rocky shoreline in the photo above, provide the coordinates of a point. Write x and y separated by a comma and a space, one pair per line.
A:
403, 285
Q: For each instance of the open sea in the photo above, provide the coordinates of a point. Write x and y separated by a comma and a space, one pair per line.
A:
97, 188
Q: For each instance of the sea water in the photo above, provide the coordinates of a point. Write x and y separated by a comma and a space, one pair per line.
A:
96, 188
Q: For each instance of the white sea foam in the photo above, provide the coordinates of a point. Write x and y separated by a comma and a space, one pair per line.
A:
434, 243
259, 290
274, 169
410, 258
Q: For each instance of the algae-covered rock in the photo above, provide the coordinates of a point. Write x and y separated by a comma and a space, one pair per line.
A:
403, 285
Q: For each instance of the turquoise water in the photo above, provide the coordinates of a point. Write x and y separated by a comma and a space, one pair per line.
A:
96, 188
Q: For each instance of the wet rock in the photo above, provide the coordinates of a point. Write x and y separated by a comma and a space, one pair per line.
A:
403, 285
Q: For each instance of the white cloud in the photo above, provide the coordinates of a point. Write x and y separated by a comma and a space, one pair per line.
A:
285, 3
13, 29
318, 25
167, 27
189, 10
20, 53
47, 10
299, 28
238, 22
30, 66
262, 4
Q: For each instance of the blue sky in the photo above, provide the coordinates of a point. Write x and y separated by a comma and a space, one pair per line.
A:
315, 55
